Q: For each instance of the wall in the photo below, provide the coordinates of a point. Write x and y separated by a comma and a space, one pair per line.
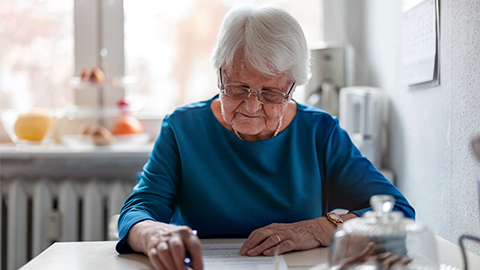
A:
430, 129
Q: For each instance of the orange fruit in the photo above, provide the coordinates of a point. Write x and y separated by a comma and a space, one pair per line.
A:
33, 125
127, 125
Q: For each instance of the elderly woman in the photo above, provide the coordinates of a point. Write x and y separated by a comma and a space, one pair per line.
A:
250, 162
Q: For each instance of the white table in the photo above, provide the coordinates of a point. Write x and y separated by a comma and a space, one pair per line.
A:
102, 255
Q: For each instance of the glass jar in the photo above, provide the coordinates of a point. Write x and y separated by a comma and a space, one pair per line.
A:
382, 239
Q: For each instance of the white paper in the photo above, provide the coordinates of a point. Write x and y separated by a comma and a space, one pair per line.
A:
409, 4
227, 257
420, 43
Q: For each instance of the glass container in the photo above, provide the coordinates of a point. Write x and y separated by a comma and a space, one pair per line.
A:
383, 239
35, 126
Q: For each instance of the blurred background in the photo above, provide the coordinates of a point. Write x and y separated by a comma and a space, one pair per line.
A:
167, 46
153, 56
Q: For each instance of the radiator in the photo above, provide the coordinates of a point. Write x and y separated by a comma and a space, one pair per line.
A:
36, 213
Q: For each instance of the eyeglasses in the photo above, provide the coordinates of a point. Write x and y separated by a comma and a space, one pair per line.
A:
239, 92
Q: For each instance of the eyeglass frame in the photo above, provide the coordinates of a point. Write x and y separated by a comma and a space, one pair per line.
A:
250, 91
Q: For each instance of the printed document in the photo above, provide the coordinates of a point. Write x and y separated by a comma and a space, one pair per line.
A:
227, 257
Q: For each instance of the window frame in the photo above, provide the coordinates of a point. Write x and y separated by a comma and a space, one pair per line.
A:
99, 24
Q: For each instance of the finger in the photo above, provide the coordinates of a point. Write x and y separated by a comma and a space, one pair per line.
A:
384, 256
254, 239
251, 242
284, 246
404, 261
359, 257
177, 252
367, 251
194, 247
386, 264
270, 242
154, 259
165, 256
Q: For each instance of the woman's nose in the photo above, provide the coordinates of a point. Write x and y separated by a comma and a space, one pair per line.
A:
253, 103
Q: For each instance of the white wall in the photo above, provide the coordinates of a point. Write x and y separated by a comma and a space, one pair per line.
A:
430, 129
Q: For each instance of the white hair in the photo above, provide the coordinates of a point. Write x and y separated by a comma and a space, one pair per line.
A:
271, 39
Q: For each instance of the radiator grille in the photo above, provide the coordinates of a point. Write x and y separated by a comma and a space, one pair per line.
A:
37, 212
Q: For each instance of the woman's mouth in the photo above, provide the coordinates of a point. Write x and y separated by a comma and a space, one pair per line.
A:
250, 116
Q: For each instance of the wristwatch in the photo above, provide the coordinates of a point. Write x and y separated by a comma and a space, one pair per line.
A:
334, 218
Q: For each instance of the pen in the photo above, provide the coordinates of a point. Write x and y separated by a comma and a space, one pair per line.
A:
188, 257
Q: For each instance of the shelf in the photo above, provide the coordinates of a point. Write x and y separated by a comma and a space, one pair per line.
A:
58, 150
58, 161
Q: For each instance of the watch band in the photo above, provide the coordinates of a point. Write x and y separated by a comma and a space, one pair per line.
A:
334, 219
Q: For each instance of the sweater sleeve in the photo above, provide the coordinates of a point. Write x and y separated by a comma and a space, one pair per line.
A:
153, 198
352, 179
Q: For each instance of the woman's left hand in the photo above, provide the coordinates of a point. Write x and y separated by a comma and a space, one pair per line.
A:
300, 235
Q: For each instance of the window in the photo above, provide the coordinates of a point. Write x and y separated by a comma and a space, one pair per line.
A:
168, 46
165, 45
36, 52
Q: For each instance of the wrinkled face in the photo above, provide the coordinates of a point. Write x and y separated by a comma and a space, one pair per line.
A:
251, 116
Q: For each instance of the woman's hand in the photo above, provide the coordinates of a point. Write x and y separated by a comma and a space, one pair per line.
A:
301, 235
166, 245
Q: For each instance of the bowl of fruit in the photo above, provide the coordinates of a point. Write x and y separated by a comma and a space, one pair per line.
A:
31, 126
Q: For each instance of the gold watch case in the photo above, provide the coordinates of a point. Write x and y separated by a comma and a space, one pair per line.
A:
334, 218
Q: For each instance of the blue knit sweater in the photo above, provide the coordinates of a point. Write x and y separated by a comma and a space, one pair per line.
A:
201, 175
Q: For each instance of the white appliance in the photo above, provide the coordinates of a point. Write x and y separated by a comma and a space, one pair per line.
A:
332, 69
361, 112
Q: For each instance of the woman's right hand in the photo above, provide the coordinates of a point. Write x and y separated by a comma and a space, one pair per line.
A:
166, 245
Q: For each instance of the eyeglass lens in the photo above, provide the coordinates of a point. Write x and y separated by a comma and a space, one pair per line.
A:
244, 93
